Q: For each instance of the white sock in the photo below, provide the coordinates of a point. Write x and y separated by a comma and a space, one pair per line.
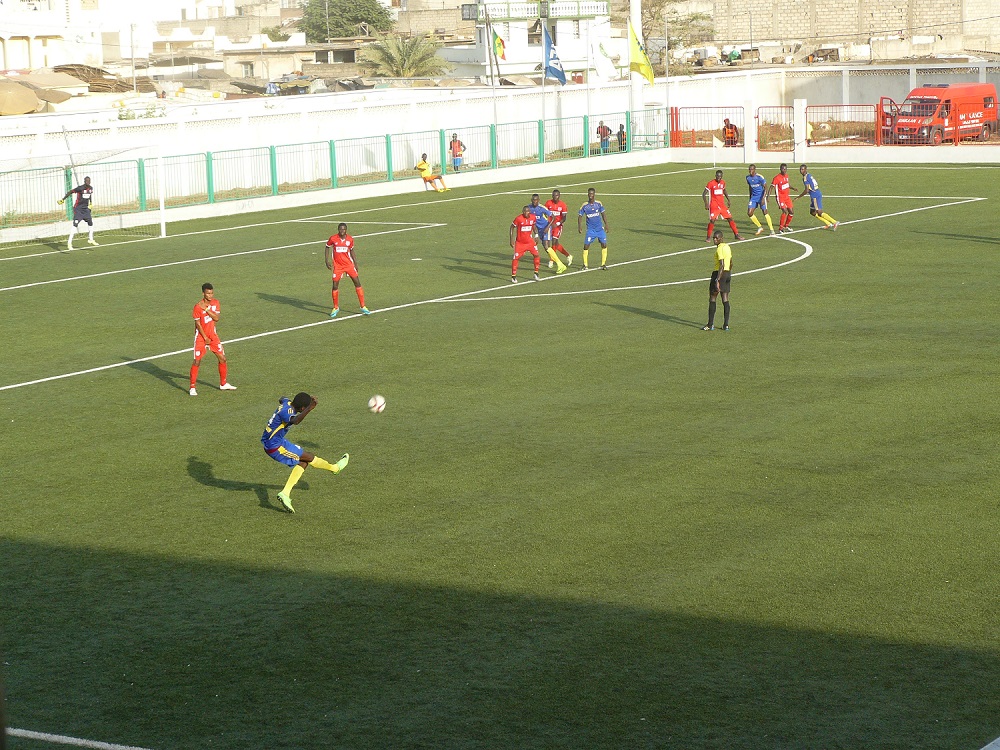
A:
72, 234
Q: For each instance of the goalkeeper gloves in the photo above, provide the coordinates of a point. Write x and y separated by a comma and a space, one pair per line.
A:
61, 202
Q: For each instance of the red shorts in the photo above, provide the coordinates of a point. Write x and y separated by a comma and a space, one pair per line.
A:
557, 231
785, 204
339, 271
201, 347
719, 212
520, 248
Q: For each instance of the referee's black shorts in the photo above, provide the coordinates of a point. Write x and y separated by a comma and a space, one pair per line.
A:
724, 281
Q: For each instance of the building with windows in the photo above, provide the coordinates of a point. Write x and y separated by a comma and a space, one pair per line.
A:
580, 30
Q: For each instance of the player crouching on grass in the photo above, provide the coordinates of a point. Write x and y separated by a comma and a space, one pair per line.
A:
289, 413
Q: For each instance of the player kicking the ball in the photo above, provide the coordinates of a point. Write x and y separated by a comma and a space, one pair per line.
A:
289, 413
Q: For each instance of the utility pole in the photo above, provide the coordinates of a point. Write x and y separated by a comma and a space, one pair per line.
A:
327, 21
135, 87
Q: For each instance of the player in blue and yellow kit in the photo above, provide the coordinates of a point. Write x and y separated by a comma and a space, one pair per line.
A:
289, 413
758, 199
597, 227
544, 223
809, 185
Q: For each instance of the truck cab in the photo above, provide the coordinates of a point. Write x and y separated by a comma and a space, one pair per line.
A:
933, 114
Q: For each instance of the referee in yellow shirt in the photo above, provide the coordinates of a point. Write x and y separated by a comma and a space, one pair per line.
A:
721, 278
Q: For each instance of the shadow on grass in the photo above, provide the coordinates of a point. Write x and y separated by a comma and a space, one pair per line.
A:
179, 380
301, 304
654, 314
695, 235
954, 236
163, 652
486, 264
202, 472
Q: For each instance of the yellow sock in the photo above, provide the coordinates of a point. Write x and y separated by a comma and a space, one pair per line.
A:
585, 254
820, 217
769, 224
827, 218
756, 221
552, 255
319, 463
294, 477
604, 256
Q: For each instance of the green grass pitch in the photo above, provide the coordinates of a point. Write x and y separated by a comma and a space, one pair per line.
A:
581, 521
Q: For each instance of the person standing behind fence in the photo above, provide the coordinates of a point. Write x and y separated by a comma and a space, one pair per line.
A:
730, 133
82, 204
604, 136
809, 185
717, 204
457, 149
758, 199
622, 138
782, 194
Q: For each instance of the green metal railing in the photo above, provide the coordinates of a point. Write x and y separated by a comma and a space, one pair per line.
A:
27, 197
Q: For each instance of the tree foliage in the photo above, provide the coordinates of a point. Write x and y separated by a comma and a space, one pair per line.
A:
345, 18
661, 16
402, 57
275, 33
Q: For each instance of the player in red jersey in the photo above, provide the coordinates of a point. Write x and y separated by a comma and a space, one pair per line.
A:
340, 259
782, 194
559, 212
717, 204
206, 314
523, 235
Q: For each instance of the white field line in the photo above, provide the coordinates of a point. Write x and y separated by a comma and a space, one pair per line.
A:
59, 739
449, 298
341, 214
806, 253
995, 745
199, 260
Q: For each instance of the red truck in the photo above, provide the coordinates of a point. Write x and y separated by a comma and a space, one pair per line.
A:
933, 114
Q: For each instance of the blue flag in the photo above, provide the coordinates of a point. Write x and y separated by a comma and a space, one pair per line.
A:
553, 68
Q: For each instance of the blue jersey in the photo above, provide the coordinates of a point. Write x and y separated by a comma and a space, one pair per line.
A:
542, 215
757, 186
812, 186
278, 425
593, 213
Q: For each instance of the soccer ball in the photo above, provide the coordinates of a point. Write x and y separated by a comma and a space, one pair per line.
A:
376, 404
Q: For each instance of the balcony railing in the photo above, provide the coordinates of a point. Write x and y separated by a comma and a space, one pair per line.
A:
501, 11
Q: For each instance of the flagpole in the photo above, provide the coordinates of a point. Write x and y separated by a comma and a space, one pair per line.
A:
491, 55
589, 24
545, 31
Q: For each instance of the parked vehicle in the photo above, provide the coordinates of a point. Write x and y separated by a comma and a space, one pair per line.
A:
936, 113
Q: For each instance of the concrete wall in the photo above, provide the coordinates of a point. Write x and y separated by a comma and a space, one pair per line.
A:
852, 20
428, 21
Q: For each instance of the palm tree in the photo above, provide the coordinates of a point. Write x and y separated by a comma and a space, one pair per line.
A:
402, 57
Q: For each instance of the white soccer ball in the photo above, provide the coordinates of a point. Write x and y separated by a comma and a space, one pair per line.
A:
376, 404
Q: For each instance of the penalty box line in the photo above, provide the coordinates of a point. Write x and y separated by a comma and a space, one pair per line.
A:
449, 298
199, 260
60, 739
320, 217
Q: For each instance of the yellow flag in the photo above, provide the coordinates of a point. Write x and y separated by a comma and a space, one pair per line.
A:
638, 62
